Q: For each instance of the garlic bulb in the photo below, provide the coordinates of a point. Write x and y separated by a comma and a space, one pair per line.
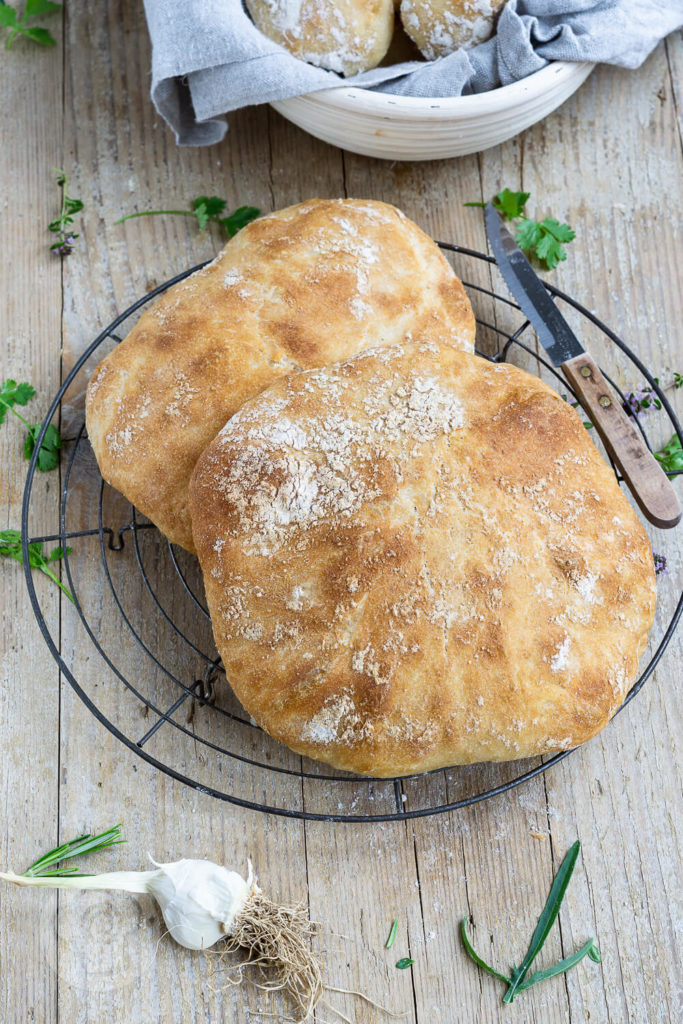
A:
200, 901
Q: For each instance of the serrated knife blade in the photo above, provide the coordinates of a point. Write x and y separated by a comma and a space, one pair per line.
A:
648, 483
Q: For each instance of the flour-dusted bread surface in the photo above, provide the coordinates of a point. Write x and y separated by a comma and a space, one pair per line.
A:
309, 285
416, 559
439, 27
347, 36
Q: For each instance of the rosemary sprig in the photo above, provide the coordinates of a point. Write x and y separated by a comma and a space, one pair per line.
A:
45, 866
518, 981
392, 935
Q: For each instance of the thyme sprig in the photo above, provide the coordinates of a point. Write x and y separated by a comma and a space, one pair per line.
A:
63, 244
518, 980
46, 866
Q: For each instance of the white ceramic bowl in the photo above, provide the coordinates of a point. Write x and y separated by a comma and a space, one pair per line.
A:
410, 128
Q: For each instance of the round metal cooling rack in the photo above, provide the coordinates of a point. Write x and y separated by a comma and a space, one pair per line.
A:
139, 603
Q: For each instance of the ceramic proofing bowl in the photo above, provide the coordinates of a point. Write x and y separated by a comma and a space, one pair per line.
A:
410, 128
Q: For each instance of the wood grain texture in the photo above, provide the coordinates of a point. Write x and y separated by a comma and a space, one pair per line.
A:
609, 162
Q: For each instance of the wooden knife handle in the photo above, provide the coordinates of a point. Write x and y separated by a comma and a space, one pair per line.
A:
647, 480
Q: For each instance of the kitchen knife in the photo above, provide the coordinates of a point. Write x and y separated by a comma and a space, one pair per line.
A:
649, 484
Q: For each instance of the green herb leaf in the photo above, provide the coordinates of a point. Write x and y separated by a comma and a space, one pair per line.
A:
547, 918
518, 982
238, 220
10, 547
404, 962
207, 209
213, 205
8, 16
528, 234
48, 456
540, 239
392, 935
59, 227
36, 7
12, 394
39, 35
590, 950
543, 239
475, 956
45, 866
670, 457
511, 204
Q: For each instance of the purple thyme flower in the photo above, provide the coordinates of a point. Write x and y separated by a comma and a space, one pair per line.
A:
660, 564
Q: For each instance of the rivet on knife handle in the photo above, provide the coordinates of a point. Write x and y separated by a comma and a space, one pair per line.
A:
648, 482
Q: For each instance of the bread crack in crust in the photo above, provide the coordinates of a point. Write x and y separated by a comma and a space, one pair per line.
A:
417, 558
308, 285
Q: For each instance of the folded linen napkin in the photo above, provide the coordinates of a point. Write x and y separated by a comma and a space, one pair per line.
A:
208, 58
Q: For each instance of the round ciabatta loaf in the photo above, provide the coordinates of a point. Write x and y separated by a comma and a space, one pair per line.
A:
309, 285
347, 36
418, 558
440, 27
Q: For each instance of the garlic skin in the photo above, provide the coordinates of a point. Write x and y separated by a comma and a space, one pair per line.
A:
199, 900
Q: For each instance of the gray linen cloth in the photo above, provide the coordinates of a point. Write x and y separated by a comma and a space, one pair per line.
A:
208, 58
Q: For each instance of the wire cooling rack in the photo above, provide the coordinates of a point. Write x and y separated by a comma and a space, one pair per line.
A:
136, 644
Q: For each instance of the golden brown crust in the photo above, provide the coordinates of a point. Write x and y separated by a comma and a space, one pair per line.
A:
439, 27
311, 284
416, 559
346, 36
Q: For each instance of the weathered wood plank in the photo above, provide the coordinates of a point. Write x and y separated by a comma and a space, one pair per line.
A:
30, 82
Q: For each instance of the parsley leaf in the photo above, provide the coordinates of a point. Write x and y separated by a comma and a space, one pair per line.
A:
48, 456
19, 26
670, 457
238, 220
511, 204
10, 547
207, 209
12, 394
540, 239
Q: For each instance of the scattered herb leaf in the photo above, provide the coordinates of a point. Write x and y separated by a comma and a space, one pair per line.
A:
404, 962
542, 240
207, 209
510, 204
670, 457
518, 982
46, 866
12, 394
10, 547
392, 935
48, 456
63, 244
19, 26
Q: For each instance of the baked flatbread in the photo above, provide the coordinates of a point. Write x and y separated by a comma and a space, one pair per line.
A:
309, 285
440, 27
347, 36
418, 558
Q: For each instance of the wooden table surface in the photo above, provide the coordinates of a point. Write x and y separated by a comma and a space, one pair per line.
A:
609, 161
